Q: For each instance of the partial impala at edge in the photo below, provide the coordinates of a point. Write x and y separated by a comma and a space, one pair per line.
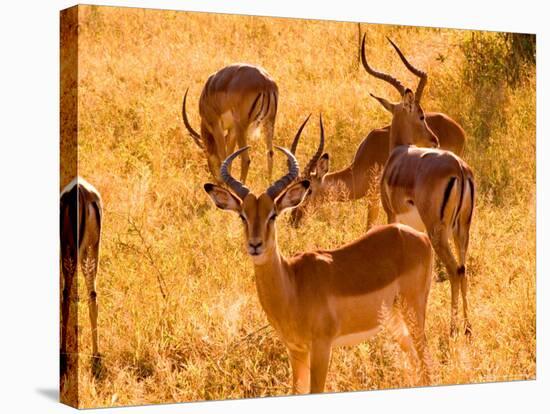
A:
80, 232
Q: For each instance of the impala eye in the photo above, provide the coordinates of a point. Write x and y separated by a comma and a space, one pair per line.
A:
243, 218
272, 217
422, 117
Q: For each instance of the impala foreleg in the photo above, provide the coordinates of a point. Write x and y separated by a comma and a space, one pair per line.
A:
319, 359
231, 140
216, 147
268, 136
212, 155
299, 362
372, 212
390, 215
245, 156
373, 177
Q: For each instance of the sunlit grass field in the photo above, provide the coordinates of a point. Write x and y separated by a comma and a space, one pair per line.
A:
179, 318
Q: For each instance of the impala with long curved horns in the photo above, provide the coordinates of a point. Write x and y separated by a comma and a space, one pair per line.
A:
324, 298
80, 233
235, 102
359, 179
429, 189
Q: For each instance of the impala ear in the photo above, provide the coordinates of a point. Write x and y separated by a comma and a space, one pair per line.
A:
408, 100
321, 168
385, 103
223, 198
293, 196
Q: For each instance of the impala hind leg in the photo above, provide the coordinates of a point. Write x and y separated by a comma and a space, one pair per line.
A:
319, 360
439, 236
414, 317
68, 268
408, 329
299, 362
399, 331
465, 304
421, 346
461, 235
89, 264
415, 345
462, 240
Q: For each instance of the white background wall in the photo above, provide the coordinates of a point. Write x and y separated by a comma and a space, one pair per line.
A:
29, 141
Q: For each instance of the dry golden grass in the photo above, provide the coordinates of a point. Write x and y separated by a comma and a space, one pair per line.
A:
207, 339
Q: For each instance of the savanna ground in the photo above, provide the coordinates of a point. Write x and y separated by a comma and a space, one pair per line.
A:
179, 317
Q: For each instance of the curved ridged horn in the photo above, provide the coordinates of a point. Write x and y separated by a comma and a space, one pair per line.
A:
320, 148
383, 76
238, 188
419, 73
194, 134
297, 137
293, 170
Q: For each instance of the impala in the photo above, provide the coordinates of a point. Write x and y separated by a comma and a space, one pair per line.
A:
429, 189
359, 179
80, 222
235, 102
320, 299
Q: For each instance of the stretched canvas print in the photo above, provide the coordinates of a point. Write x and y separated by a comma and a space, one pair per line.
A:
258, 206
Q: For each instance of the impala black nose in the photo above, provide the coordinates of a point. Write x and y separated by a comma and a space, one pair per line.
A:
255, 245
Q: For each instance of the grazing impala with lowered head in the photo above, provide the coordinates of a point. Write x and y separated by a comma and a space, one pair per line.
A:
235, 102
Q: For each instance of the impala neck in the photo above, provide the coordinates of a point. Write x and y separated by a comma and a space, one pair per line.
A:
399, 134
272, 280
